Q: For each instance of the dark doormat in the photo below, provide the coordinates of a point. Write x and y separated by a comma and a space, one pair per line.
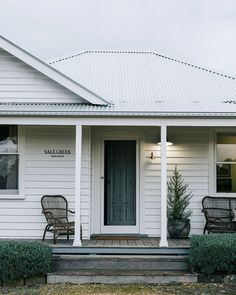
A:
115, 237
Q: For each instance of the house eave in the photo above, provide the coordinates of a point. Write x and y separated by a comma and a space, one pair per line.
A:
118, 114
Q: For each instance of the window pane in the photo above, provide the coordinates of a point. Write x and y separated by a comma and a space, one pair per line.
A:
226, 147
8, 139
226, 178
8, 174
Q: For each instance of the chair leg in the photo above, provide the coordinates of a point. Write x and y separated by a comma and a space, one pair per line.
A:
206, 228
44, 234
54, 238
45, 230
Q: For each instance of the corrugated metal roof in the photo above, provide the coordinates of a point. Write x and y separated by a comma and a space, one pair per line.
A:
165, 110
149, 82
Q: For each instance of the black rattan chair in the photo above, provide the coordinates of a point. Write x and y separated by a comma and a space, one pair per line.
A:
55, 210
220, 214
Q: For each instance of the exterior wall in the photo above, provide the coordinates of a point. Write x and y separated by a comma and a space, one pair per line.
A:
47, 175
190, 153
22, 218
22, 83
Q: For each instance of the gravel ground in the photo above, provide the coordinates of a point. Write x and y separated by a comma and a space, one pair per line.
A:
90, 289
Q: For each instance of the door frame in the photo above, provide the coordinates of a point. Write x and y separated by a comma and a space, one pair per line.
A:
107, 229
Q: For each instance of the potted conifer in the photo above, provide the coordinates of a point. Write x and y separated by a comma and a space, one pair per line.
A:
178, 201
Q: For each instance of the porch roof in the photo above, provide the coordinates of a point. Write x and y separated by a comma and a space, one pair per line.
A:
158, 110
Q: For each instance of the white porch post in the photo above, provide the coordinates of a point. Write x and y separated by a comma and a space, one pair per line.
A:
78, 151
163, 241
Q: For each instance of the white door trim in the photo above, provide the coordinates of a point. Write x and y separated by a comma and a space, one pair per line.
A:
119, 229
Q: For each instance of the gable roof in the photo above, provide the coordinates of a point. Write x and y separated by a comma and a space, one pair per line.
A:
52, 73
149, 82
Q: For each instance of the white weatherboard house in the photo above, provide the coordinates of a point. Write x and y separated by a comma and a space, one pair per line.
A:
87, 127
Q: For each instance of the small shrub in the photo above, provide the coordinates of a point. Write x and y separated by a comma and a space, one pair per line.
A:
178, 197
213, 253
23, 260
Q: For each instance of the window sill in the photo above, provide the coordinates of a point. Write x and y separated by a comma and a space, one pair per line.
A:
226, 194
11, 197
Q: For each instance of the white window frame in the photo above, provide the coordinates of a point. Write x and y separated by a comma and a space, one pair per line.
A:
21, 166
216, 131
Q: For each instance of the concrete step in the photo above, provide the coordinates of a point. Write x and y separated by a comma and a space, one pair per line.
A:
121, 250
122, 277
120, 262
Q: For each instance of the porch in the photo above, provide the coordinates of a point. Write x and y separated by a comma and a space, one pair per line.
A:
121, 260
143, 242
135, 246
83, 150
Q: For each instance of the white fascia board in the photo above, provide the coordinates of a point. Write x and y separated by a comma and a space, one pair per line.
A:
51, 72
183, 122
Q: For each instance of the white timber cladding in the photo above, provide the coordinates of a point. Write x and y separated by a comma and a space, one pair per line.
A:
20, 82
47, 175
190, 153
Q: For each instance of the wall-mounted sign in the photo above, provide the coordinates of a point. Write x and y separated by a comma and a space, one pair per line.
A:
57, 153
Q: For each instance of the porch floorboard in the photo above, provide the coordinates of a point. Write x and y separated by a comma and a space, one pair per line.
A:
126, 243
140, 246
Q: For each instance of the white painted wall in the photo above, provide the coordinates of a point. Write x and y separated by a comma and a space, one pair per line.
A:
22, 83
190, 153
47, 175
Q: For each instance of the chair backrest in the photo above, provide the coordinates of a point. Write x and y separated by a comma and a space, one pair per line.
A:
218, 208
55, 207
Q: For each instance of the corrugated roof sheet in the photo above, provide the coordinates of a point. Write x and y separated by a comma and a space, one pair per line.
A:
149, 82
164, 110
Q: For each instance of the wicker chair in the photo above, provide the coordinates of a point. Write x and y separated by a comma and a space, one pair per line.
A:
55, 209
220, 214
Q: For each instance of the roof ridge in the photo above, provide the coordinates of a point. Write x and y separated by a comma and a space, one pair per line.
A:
145, 52
98, 51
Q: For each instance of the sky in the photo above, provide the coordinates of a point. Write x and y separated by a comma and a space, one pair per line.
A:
201, 32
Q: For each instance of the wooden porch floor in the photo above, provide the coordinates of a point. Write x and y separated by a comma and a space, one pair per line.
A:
126, 243
140, 246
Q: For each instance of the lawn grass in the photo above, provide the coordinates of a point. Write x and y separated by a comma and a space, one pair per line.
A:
99, 289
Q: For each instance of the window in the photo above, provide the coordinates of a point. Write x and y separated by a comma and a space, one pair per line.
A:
9, 159
226, 162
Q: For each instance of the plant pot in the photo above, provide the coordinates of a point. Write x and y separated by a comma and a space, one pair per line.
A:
179, 228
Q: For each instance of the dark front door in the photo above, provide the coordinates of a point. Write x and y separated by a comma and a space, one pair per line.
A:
120, 182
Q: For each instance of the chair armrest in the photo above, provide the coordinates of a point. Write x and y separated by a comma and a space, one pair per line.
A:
47, 212
49, 217
71, 211
216, 220
54, 220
